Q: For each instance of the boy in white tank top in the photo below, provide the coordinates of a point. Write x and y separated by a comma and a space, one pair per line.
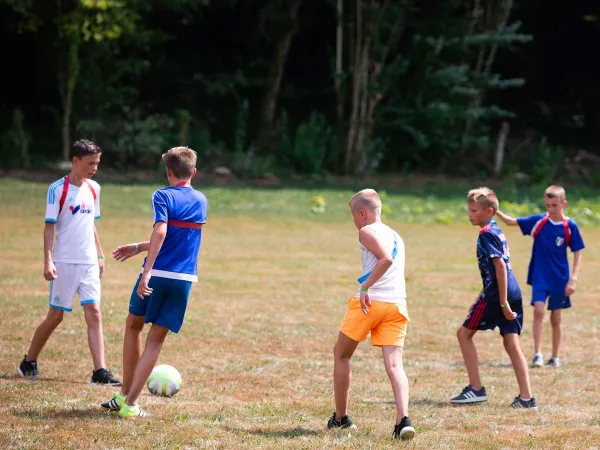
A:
379, 307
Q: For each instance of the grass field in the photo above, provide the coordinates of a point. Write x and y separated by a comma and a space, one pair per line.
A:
255, 351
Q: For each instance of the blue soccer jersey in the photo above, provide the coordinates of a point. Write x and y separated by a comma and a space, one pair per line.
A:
549, 265
492, 244
184, 210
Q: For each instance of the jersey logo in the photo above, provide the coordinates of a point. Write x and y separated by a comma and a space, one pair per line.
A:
559, 241
83, 209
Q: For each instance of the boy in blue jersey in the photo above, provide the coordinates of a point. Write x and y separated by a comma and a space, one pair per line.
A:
499, 303
548, 272
162, 290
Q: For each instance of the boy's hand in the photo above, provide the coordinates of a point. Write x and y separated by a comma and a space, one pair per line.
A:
365, 302
49, 271
143, 290
509, 313
125, 252
101, 266
570, 288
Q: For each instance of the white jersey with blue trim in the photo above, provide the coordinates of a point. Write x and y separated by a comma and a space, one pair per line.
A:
75, 243
391, 287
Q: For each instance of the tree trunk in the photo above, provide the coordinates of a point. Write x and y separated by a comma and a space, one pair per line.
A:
500, 147
339, 72
267, 134
67, 83
356, 90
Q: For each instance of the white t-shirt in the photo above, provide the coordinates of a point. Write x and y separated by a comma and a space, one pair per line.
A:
391, 287
75, 242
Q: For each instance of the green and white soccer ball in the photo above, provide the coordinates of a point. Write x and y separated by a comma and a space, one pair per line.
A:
164, 380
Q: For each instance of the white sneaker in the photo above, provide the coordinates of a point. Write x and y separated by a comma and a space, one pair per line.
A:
538, 360
554, 362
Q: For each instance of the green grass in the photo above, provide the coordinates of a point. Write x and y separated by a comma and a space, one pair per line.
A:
255, 349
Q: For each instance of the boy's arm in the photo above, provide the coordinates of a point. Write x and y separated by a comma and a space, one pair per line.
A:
126, 251
49, 268
101, 261
570, 288
369, 241
502, 279
508, 220
159, 233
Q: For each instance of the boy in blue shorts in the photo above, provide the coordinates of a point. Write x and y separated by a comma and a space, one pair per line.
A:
548, 272
499, 303
162, 290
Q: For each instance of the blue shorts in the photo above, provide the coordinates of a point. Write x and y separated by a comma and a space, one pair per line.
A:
487, 315
556, 300
165, 306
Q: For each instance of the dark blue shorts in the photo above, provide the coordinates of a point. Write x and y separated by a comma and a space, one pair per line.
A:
165, 306
556, 300
487, 315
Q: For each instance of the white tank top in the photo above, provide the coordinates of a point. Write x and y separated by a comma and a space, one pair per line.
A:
391, 287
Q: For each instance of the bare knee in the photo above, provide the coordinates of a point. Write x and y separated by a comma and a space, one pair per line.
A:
93, 315
54, 317
134, 323
463, 334
555, 318
339, 353
538, 310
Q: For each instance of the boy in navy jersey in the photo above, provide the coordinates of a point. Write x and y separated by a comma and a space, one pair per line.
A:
161, 293
548, 272
499, 303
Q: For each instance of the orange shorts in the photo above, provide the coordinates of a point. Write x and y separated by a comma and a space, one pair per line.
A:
385, 322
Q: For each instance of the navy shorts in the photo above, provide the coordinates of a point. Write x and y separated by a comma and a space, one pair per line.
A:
486, 314
556, 300
165, 306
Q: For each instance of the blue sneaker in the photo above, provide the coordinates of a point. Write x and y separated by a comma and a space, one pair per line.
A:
518, 402
470, 395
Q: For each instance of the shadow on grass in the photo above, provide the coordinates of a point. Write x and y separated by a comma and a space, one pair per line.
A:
73, 413
418, 402
6, 376
289, 433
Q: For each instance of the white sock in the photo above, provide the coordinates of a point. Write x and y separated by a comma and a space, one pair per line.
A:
524, 399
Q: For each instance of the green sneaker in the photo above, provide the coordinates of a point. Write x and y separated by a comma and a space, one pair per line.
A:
115, 403
132, 411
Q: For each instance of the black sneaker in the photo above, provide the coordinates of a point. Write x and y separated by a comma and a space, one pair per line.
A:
470, 395
28, 369
404, 430
519, 403
104, 377
344, 422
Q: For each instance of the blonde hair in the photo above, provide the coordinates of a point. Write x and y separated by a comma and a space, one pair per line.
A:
555, 191
485, 197
181, 161
366, 199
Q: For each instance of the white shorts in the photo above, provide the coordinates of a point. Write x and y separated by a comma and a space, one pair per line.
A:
71, 278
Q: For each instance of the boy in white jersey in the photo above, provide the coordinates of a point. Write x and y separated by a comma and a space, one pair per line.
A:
162, 290
379, 308
76, 263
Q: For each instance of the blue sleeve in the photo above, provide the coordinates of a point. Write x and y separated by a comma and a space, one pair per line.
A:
491, 245
159, 207
576, 239
203, 208
526, 223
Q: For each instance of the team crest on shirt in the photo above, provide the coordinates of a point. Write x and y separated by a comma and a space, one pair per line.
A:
57, 299
559, 241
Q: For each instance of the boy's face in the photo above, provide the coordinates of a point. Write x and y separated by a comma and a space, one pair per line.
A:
478, 215
86, 166
554, 205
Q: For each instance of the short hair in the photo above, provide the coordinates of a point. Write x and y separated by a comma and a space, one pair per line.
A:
485, 197
181, 161
84, 147
366, 199
555, 191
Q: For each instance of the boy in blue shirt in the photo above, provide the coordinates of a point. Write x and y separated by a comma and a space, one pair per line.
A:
499, 303
548, 272
161, 293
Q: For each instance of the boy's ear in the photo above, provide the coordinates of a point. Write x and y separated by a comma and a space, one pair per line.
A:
564, 203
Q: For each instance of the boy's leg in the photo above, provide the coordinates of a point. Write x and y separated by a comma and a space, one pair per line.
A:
154, 342
555, 320
342, 373
43, 332
132, 349
392, 358
519, 363
469, 352
538, 325
93, 319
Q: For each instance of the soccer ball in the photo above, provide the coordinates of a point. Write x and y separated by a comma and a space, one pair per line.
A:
164, 380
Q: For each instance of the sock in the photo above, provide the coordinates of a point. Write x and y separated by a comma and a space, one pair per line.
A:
524, 399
